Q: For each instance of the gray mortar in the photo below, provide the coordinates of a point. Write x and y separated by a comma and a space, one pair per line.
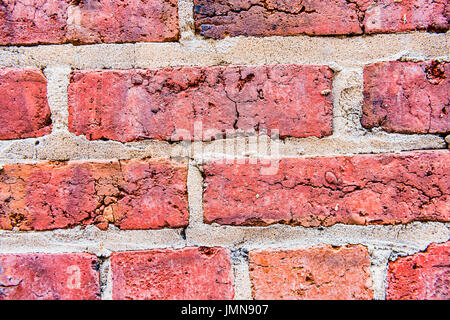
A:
345, 55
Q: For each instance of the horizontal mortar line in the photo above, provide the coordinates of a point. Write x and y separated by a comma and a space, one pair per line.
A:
287, 233
214, 48
391, 140
80, 246
207, 157
333, 64
198, 38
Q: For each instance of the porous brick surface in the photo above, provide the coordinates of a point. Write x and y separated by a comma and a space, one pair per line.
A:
174, 274
131, 194
168, 104
317, 273
24, 109
322, 191
87, 21
422, 276
407, 97
41, 276
218, 19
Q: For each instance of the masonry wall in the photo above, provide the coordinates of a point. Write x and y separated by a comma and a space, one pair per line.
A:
224, 149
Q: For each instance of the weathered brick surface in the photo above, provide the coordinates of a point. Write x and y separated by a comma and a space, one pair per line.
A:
87, 21
132, 194
189, 273
423, 276
218, 19
33, 21
24, 109
314, 273
166, 103
92, 21
363, 189
387, 16
407, 97
39, 276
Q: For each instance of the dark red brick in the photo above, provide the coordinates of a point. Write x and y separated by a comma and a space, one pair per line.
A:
132, 194
189, 273
407, 97
315, 191
160, 104
40, 276
24, 109
218, 19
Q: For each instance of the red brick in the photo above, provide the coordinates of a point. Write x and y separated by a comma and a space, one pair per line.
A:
92, 21
388, 16
423, 276
189, 273
23, 104
132, 194
131, 105
87, 21
33, 21
318, 273
38, 276
363, 189
218, 19
407, 97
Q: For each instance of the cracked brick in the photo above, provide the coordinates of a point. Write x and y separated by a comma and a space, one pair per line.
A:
407, 97
33, 21
218, 19
173, 274
131, 194
23, 104
87, 21
165, 104
323, 272
91, 21
41, 276
422, 276
323, 191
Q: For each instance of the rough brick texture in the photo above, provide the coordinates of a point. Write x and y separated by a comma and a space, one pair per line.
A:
123, 21
316, 273
218, 19
407, 97
423, 276
24, 109
388, 16
165, 104
33, 21
189, 273
87, 21
363, 189
132, 194
39, 276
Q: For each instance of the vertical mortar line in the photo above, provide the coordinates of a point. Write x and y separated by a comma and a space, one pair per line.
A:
57, 95
195, 195
379, 259
186, 19
105, 278
347, 93
241, 275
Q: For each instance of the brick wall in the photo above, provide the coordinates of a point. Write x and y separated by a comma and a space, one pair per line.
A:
199, 149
